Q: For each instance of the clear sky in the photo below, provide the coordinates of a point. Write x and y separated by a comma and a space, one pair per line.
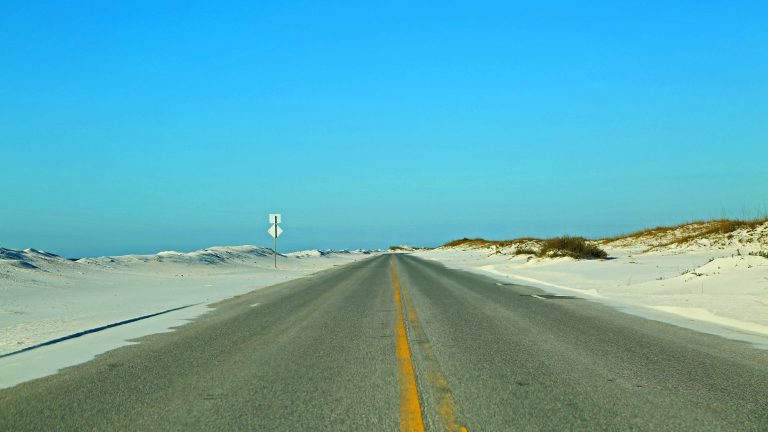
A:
146, 126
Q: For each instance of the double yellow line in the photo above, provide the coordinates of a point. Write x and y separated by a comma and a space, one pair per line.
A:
410, 409
411, 419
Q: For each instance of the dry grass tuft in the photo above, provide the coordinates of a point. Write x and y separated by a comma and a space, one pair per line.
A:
651, 232
477, 243
715, 227
574, 247
658, 237
467, 242
720, 231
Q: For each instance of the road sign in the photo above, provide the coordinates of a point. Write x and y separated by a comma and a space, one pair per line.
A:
275, 231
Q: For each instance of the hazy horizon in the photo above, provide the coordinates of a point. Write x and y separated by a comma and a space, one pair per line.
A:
307, 238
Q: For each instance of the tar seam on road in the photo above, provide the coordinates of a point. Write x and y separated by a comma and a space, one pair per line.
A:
94, 330
435, 376
410, 409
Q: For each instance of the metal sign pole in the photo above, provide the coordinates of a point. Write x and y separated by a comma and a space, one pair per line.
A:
275, 232
275, 248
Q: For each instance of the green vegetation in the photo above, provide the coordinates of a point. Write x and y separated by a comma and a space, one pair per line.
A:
574, 247
763, 254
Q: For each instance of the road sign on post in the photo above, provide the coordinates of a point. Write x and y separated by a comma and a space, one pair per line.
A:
275, 230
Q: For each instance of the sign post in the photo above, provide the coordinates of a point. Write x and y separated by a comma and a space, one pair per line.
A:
275, 231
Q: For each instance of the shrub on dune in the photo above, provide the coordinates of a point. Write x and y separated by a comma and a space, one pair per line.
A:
574, 247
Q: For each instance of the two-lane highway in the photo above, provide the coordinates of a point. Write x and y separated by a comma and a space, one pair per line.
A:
399, 343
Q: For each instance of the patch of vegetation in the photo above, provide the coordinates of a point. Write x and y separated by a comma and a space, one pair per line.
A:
715, 227
579, 247
483, 243
694, 230
763, 254
650, 232
574, 247
465, 242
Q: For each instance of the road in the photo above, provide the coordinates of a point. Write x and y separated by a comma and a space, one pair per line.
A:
399, 343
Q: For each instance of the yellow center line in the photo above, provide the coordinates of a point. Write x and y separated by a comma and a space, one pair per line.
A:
446, 403
410, 409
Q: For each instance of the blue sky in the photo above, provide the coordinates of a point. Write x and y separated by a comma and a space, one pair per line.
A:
145, 126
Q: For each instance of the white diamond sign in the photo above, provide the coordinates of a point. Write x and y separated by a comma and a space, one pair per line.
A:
275, 231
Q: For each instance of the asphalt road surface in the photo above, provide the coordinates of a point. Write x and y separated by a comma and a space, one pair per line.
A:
399, 343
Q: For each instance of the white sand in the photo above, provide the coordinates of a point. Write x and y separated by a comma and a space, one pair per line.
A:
62, 297
45, 297
705, 283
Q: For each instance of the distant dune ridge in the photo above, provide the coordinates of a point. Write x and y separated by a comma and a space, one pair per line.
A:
29, 258
216, 255
713, 272
749, 236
